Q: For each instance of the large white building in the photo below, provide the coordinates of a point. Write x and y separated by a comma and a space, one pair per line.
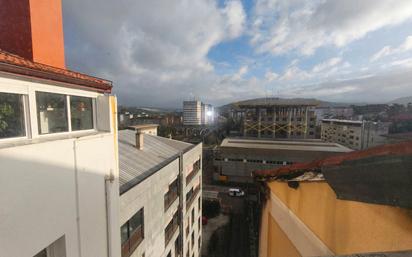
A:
160, 196
208, 114
59, 189
192, 113
59, 168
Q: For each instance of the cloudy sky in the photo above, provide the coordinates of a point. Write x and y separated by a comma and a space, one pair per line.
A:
161, 52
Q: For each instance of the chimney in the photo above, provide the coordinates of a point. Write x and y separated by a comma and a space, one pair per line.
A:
139, 140
33, 29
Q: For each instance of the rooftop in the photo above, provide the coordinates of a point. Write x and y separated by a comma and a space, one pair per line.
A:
14, 64
144, 126
379, 175
136, 165
301, 145
343, 121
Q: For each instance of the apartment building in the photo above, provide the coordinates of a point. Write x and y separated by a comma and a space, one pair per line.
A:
353, 204
192, 113
160, 196
208, 114
58, 143
354, 134
236, 158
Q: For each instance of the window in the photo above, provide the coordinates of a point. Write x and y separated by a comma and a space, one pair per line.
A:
172, 194
198, 204
12, 123
193, 216
51, 113
132, 233
81, 111
171, 227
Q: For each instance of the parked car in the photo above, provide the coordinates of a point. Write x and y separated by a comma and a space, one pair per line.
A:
236, 192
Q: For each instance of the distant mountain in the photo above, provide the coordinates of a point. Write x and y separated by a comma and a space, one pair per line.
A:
402, 100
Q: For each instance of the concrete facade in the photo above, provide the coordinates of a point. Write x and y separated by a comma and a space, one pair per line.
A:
356, 135
192, 113
237, 158
180, 162
60, 190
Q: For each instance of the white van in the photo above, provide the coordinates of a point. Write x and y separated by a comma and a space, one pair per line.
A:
236, 192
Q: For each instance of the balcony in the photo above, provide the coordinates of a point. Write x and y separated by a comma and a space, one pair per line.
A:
171, 228
133, 242
170, 198
171, 195
193, 173
190, 197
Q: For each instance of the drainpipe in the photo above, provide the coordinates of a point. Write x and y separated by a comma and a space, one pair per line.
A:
108, 180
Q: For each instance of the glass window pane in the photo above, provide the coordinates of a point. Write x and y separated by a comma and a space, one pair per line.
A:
81, 110
51, 113
124, 232
11, 116
136, 221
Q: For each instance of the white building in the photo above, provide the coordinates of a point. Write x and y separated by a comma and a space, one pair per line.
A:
354, 134
192, 113
160, 196
59, 168
208, 114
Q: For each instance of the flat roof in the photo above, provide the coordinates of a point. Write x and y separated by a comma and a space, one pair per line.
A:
291, 145
136, 165
343, 121
143, 126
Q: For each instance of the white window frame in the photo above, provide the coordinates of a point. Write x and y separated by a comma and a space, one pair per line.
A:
69, 132
26, 118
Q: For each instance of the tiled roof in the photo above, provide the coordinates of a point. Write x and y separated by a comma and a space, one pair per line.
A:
404, 148
15, 64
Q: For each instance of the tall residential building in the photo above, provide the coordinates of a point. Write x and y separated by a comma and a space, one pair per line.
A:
192, 113
208, 114
278, 118
354, 134
160, 196
59, 190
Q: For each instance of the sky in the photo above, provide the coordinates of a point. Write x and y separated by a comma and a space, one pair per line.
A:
161, 52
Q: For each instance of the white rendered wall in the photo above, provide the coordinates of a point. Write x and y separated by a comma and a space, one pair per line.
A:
54, 185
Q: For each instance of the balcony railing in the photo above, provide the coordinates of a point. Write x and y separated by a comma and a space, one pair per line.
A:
170, 198
171, 228
192, 197
133, 242
192, 174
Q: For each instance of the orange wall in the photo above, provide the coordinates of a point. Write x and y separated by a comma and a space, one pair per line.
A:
47, 32
346, 227
280, 245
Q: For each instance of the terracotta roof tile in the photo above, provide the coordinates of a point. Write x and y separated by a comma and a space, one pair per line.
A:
18, 65
403, 148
